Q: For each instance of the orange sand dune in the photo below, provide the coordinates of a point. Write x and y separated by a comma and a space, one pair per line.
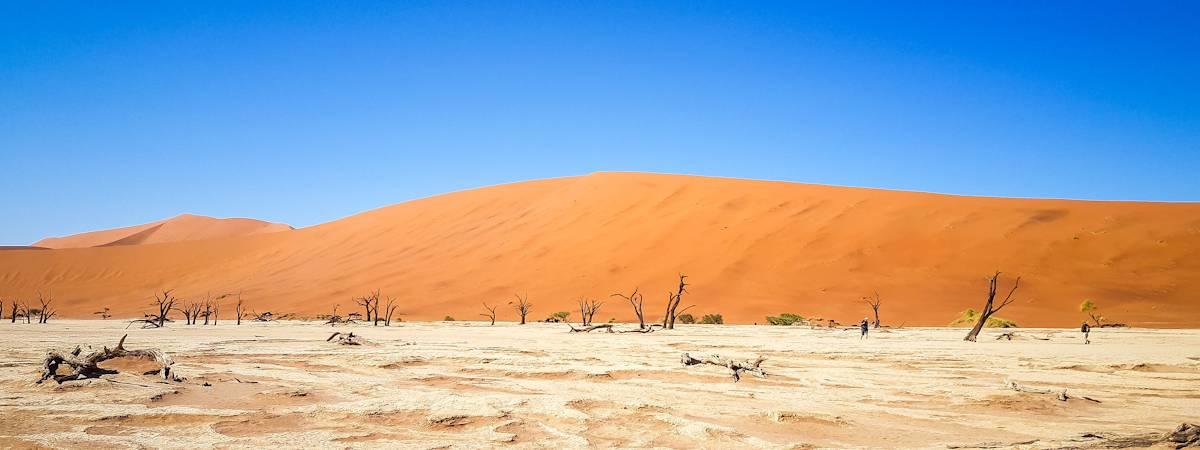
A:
750, 248
184, 227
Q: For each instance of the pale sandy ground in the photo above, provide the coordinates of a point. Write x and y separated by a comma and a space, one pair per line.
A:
468, 385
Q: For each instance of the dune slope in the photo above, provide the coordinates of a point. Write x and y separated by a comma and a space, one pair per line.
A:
185, 227
749, 248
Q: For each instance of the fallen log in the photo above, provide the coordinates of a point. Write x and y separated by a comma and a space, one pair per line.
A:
588, 329
646, 329
734, 366
347, 339
86, 366
1011, 335
1061, 395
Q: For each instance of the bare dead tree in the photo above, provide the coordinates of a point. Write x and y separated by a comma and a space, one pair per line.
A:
589, 328
491, 312
87, 366
27, 313
165, 302
673, 299
736, 367
45, 313
239, 308
636, 299
370, 304
874, 303
990, 307
522, 306
587, 310
389, 309
1, 308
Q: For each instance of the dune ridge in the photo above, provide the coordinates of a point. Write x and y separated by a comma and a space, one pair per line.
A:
184, 227
750, 248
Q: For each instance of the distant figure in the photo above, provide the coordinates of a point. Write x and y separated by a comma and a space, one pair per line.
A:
1085, 329
864, 325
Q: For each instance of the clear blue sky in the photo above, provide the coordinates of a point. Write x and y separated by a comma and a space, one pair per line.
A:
117, 113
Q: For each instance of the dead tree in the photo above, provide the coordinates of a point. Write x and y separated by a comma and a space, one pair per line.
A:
635, 299
874, 303
87, 366
239, 309
165, 302
45, 313
191, 312
264, 317
522, 306
587, 310
736, 367
390, 309
990, 307
335, 319
105, 314
673, 299
347, 339
16, 308
370, 304
1, 308
491, 312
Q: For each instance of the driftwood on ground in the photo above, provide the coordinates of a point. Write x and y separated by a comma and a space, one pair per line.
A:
86, 366
588, 329
734, 366
347, 339
1013, 335
1061, 395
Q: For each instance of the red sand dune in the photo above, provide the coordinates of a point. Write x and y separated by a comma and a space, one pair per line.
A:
184, 227
750, 248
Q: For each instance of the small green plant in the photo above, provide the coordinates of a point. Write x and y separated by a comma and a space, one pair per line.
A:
686, 318
785, 319
447, 319
1089, 308
970, 316
712, 319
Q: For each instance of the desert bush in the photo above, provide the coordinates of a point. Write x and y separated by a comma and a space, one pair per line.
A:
561, 315
447, 319
785, 319
970, 316
712, 319
686, 318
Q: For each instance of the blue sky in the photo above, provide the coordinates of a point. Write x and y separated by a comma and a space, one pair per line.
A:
114, 114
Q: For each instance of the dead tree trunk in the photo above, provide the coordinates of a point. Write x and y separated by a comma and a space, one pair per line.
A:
990, 307
239, 309
13, 314
673, 299
165, 303
391, 308
736, 367
874, 303
587, 310
491, 312
45, 313
370, 304
86, 366
636, 300
522, 306
347, 339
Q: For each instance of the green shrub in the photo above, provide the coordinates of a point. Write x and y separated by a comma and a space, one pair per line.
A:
712, 319
686, 318
785, 319
448, 319
970, 316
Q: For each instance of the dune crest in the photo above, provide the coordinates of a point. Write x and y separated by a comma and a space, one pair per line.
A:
184, 227
750, 249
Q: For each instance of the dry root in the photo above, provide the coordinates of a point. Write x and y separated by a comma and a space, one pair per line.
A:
86, 366
736, 367
588, 329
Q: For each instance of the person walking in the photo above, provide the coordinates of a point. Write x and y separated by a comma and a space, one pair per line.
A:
864, 325
1086, 329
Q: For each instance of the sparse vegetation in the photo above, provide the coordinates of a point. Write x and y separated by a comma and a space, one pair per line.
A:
786, 319
687, 319
447, 319
712, 319
1090, 308
970, 316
